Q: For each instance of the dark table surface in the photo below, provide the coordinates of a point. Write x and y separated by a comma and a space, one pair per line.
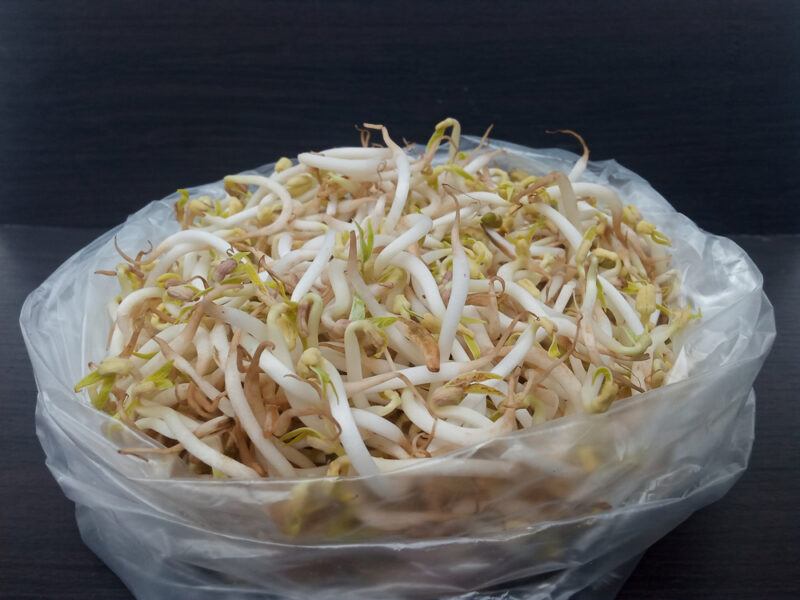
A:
745, 546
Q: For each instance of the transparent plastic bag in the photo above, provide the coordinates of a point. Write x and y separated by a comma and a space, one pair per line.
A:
562, 510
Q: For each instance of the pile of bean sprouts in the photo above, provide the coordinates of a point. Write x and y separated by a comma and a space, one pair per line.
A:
365, 307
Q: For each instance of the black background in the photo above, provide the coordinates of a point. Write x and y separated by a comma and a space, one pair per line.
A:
105, 106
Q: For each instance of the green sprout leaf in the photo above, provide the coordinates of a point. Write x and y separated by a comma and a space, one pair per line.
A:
472, 345
382, 322
479, 388
295, 435
92, 378
554, 351
160, 379
358, 310
366, 241
184, 198
601, 371
324, 379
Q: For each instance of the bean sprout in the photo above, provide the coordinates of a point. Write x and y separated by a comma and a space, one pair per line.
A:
351, 313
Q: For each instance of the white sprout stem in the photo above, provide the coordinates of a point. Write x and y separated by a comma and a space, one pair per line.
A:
150, 346
419, 375
166, 260
314, 243
357, 152
240, 320
309, 225
617, 300
514, 358
276, 188
568, 202
590, 293
531, 304
123, 327
314, 318
200, 269
218, 223
361, 215
483, 198
387, 447
416, 304
192, 237
196, 447
479, 330
402, 185
466, 415
204, 349
300, 394
584, 190
284, 245
396, 337
421, 225
351, 439
508, 363
447, 432
155, 424
554, 286
380, 366
563, 296
316, 268
578, 168
378, 210
480, 161
219, 340
434, 255
337, 359
361, 169
591, 387
294, 456
546, 405
524, 418
374, 423
275, 334
189, 262
567, 229
185, 367
352, 355
180, 344
458, 296
563, 323
333, 207
541, 251
420, 274
286, 174
561, 375
391, 173
171, 396
441, 223
247, 420
653, 321
341, 291
284, 264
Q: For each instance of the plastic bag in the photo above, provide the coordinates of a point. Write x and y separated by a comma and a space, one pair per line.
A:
561, 510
